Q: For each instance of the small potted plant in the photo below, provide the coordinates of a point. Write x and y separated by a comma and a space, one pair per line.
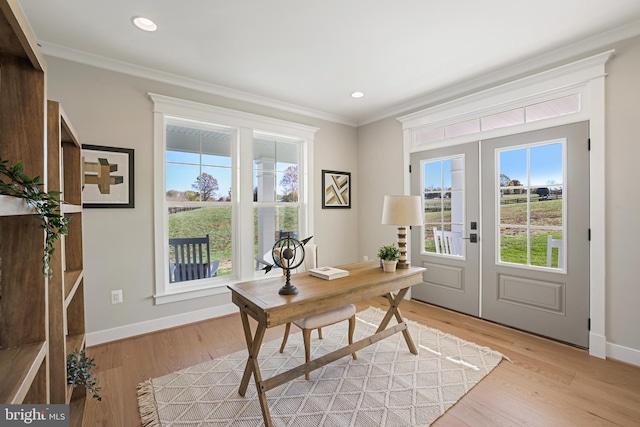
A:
79, 372
389, 255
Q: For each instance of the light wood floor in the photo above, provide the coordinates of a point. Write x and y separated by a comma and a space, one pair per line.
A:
545, 384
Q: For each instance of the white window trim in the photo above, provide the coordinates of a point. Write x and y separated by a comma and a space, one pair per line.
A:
245, 124
586, 77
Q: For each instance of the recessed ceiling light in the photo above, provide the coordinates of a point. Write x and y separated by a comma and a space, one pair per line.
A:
143, 23
357, 94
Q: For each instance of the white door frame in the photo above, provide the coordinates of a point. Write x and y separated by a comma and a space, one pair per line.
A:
586, 78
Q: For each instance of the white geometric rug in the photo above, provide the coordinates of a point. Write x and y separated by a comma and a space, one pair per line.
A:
385, 386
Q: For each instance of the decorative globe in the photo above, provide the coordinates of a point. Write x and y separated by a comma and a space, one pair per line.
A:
288, 254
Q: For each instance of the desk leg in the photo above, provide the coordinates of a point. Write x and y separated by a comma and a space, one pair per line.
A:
253, 346
395, 311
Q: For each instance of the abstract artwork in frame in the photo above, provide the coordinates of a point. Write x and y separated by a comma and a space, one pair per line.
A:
336, 189
107, 177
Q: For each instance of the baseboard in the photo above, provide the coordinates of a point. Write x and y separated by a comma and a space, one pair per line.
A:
114, 334
623, 354
597, 345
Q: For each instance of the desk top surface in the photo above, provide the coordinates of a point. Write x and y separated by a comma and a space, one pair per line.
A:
365, 280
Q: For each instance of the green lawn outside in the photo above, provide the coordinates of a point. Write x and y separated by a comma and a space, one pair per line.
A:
216, 221
513, 245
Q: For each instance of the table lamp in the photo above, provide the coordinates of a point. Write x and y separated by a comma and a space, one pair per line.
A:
402, 211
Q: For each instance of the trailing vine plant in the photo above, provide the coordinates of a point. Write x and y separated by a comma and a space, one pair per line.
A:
79, 372
45, 204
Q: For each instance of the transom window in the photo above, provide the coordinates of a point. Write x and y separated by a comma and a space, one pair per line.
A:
556, 107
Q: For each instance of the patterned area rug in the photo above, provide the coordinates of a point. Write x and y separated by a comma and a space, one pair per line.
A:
385, 386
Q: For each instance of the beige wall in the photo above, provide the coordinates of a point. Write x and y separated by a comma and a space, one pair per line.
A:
621, 199
380, 166
380, 151
113, 109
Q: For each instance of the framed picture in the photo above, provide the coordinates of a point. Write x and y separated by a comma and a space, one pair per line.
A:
336, 189
107, 180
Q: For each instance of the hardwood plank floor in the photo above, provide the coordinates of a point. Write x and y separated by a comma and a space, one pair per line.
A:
545, 383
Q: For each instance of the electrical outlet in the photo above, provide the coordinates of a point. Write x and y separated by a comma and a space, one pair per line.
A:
116, 296
365, 258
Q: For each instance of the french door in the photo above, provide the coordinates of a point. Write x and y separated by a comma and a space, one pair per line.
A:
517, 206
447, 180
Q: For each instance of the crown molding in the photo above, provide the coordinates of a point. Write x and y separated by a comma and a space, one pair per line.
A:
519, 69
451, 91
93, 60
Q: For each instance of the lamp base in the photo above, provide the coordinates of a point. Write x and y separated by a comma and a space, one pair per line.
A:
403, 264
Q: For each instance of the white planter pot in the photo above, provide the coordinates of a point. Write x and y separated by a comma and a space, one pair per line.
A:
389, 266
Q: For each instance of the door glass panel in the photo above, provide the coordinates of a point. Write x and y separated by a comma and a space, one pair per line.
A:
531, 206
443, 193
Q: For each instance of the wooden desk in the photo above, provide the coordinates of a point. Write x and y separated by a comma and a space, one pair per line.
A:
260, 300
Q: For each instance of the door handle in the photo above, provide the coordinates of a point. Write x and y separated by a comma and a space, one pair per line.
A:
473, 238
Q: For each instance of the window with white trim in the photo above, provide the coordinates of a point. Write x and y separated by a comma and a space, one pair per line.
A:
235, 180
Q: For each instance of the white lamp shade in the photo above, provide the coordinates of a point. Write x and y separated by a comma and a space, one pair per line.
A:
402, 210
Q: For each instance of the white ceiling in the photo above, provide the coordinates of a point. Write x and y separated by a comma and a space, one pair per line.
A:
308, 56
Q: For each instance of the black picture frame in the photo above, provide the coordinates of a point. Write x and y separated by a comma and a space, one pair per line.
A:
108, 177
336, 190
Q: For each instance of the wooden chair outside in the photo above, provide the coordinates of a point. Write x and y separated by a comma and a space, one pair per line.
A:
554, 243
192, 259
447, 242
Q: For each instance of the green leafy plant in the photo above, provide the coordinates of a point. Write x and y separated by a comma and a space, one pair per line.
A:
45, 204
389, 252
79, 372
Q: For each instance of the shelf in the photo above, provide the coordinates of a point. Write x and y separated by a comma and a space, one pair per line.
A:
72, 280
20, 40
18, 369
11, 206
70, 209
66, 290
24, 318
75, 342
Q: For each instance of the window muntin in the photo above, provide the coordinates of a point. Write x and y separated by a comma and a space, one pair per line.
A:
531, 206
443, 193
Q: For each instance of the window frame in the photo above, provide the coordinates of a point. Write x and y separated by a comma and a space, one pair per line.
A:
166, 109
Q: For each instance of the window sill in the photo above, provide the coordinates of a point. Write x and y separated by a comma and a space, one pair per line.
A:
191, 292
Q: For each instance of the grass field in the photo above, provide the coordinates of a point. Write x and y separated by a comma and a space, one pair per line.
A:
513, 244
216, 222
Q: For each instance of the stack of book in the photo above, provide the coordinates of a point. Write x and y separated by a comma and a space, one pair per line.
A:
328, 273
